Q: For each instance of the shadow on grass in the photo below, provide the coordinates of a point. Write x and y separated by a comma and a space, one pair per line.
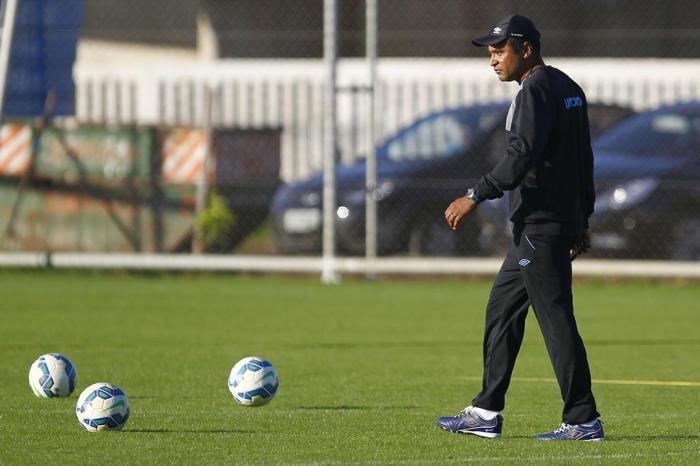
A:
187, 431
660, 342
614, 438
353, 408
641, 438
386, 344
478, 343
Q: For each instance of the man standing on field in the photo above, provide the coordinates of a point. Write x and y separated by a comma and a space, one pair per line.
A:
548, 169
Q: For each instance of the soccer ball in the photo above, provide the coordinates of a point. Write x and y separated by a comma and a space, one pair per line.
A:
52, 375
253, 381
102, 406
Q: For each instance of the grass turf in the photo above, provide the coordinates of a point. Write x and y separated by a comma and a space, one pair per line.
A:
365, 368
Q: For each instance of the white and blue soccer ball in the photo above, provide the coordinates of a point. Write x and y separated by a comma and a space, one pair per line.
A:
253, 381
102, 406
52, 375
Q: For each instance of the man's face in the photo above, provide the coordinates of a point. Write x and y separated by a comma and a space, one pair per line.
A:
507, 63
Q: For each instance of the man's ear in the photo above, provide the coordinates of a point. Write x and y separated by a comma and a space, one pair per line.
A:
528, 49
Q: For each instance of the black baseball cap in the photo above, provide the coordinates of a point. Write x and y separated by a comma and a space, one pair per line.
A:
516, 26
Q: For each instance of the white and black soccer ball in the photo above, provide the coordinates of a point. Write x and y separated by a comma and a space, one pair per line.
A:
52, 375
102, 406
253, 381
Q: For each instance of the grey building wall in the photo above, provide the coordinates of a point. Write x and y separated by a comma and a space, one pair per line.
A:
158, 22
293, 28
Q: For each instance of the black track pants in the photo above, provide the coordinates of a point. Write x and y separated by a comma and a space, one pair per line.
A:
537, 272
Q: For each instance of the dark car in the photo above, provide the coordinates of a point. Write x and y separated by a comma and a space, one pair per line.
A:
648, 186
421, 169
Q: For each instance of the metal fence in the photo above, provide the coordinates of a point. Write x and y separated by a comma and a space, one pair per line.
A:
200, 127
289, 94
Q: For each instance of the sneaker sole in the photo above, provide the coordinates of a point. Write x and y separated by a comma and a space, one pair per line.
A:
570, 440
472, 432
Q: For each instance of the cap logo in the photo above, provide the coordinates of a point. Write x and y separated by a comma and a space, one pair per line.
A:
497, 30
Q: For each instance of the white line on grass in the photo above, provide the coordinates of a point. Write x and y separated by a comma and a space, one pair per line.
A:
489, 459
669, 383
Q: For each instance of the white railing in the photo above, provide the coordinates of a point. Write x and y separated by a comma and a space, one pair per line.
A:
345, 265
289, 94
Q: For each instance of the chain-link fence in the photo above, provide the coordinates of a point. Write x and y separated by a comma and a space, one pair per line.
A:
199, 127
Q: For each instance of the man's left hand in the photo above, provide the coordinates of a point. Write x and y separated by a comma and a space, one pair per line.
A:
459, 209
581, 245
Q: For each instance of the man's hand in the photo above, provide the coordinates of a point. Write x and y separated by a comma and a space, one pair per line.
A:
459, 209
581, 245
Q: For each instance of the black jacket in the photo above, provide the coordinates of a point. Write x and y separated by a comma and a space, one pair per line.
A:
549, 161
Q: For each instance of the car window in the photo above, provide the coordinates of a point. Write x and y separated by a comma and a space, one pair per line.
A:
437, 137
442, 136
603, 117
668, 134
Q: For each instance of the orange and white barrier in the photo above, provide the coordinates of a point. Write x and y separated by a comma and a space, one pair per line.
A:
183, 155
15, 149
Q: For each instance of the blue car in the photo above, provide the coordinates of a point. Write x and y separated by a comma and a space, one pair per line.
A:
647, 172
421, 169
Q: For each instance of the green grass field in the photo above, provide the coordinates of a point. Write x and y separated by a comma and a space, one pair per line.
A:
365, 368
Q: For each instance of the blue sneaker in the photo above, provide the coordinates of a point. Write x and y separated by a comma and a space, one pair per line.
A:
592, 433
468, 422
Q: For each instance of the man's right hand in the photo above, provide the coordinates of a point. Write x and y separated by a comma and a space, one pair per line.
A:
581, 245
457, 210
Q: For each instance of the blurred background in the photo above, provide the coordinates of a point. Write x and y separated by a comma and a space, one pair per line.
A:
183, 126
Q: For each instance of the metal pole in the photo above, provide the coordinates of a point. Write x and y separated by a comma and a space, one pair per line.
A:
329, 273
8, 26
202, 193
371, 164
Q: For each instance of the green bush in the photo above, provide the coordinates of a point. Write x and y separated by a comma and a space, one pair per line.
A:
215, 221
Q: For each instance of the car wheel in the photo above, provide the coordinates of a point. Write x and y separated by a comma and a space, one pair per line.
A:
685, 244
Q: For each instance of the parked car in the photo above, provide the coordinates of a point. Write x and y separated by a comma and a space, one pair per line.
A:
421, 169
648, 186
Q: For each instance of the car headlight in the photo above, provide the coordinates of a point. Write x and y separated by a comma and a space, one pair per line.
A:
342, 212
310, 198
624, 196
381, 192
